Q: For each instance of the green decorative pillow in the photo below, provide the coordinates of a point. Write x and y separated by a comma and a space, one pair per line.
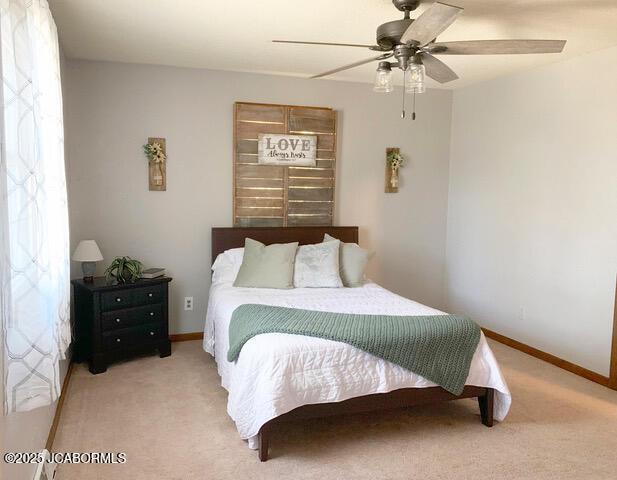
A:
352, 262
269, 266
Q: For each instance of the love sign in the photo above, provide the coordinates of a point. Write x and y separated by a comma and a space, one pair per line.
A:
291, 150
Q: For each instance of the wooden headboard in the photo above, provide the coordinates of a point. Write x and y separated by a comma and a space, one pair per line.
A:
224, 238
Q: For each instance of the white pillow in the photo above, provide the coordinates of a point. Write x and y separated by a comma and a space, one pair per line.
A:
227, 265
318, 266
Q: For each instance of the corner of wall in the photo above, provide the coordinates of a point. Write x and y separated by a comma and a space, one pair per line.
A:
445, 274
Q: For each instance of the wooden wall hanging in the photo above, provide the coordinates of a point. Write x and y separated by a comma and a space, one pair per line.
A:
390, 188
157, 171
278, 196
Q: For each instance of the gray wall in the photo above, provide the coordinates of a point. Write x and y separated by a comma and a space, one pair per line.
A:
114, 107
532, 226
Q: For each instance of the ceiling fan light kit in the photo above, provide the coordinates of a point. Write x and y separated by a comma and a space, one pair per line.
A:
415, 76
413, 44
383, 78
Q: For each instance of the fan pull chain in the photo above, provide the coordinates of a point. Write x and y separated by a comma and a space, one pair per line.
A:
413, 116
403, 112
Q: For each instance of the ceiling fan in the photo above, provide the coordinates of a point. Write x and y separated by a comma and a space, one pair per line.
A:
412, 42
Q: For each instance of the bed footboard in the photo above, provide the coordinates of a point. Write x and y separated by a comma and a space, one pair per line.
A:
405, 397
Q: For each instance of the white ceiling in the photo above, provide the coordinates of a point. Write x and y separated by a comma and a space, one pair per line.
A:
236, 35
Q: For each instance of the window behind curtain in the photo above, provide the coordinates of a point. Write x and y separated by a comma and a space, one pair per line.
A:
34, 240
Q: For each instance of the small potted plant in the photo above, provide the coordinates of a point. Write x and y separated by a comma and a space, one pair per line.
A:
123, 270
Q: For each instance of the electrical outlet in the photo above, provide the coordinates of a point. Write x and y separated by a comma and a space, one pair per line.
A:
188, 303
522, 314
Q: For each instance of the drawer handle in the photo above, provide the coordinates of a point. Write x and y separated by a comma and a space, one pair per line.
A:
118, 299
117, 340
149, 294
152, 314
117, 320
151, 333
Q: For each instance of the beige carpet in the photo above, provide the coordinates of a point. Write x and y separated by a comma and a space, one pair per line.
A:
169, 416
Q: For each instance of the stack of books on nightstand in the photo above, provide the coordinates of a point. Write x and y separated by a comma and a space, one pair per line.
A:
153, 273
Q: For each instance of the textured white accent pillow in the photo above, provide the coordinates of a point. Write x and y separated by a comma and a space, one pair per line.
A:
227, 265
318, 266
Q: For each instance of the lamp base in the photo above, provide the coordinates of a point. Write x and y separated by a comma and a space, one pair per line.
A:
88, 269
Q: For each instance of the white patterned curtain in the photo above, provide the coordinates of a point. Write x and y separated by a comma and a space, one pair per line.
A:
34, 244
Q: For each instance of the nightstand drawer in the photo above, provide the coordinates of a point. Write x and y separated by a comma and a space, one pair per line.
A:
131, 337
116, 299
147, 295
130, 317
132, 297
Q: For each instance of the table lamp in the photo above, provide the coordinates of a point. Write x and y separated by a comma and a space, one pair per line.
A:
88, 253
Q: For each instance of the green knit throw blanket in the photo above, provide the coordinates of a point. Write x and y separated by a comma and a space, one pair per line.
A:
437, 347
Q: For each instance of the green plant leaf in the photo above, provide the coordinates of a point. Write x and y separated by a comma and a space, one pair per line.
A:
124, 269
121, 269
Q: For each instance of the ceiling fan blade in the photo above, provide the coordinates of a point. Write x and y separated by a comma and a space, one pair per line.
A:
497, 47
430, 24
324, 43
352, 65
438, 70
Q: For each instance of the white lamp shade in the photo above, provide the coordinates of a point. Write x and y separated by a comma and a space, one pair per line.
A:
87, 251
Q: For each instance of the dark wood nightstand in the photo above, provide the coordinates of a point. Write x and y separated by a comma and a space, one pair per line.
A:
116, 321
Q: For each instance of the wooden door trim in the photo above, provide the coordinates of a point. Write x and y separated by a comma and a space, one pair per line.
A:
613, 375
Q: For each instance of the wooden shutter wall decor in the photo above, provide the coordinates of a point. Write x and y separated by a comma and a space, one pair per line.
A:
278, 196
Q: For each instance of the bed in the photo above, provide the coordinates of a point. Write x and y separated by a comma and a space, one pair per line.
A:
280, 377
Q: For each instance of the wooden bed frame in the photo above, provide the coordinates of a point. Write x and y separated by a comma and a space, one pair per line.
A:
226, 238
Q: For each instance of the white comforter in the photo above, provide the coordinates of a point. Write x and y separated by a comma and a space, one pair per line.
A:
277, 372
